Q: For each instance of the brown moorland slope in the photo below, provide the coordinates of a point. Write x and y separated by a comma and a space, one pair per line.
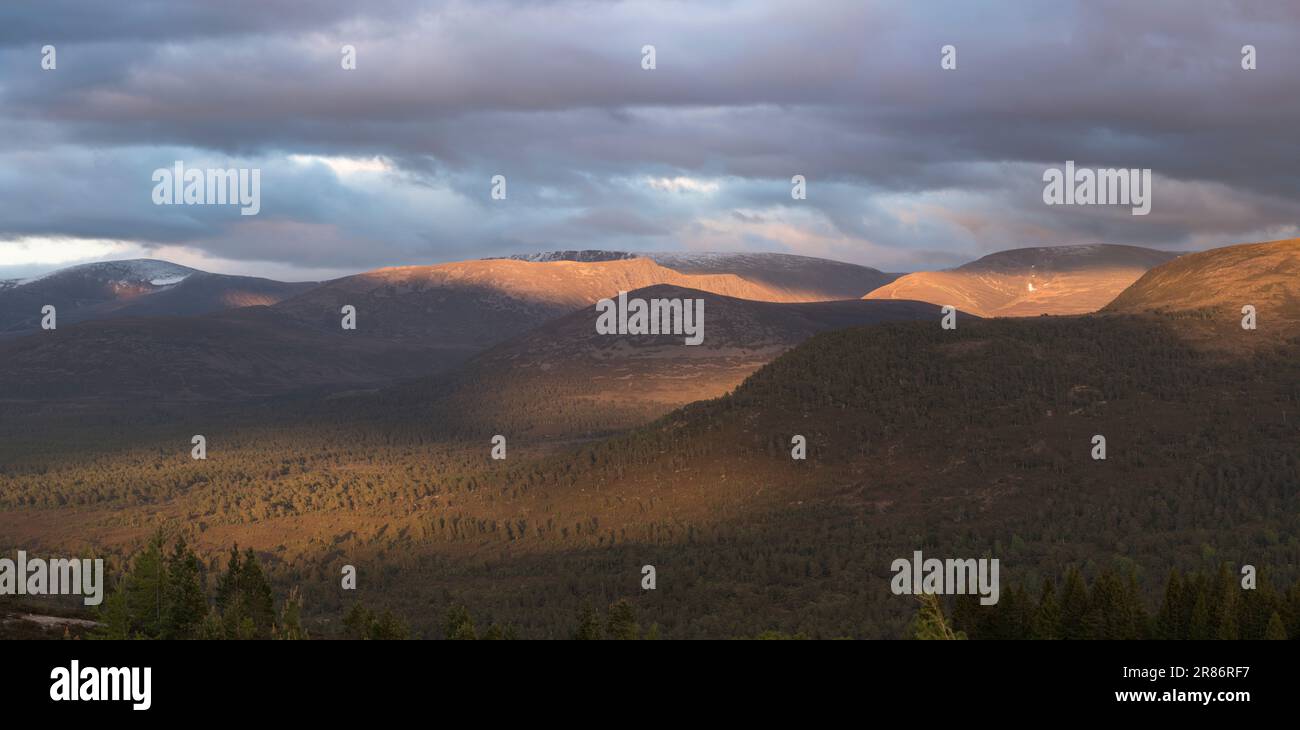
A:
1204, 295
413, 300
1265, 275
1030, 281
796, 278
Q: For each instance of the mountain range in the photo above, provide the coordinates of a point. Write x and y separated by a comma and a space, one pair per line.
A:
372, 447
131, 288
410, 321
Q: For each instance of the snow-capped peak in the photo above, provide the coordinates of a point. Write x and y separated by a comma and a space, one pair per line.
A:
169, 280
130, 271
585, 256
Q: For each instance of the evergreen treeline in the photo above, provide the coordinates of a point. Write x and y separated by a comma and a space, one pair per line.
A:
619, 624
965, 443
365, 624
163, 596
1198, 606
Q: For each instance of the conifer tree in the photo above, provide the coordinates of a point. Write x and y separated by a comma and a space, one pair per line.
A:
362, 623
288, 626
1170, 622
459, 626
387, 627
620, 621
1225, 594
1200, 626
930, 624
588, 625
116, 623
145, 588
1074, 606
228, 583
1014, 615
1256, 609
969, 617
1047, 616
186, 604
258, 599
357, 622
1275, 629
1290, 611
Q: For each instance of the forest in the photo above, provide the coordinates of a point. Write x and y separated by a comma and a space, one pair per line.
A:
967, 443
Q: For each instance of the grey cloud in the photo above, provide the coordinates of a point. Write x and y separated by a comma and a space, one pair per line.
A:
552, 95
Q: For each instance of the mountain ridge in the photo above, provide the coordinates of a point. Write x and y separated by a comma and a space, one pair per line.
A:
132, 288
1031, 281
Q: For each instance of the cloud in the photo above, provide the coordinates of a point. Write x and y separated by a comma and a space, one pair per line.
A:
906, 164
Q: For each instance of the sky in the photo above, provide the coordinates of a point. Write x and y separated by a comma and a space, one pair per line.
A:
908, 165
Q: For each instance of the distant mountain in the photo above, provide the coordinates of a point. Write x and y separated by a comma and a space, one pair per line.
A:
475, 304
1266, 275
1031, 281
563, 379
791, 278
411, 321
131, 288
585, 256
801, 278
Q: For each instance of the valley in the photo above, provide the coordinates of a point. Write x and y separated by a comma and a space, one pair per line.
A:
634, 451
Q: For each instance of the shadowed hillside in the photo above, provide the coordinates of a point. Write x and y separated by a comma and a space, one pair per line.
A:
410, 321
133, 288
961, 443
563, 379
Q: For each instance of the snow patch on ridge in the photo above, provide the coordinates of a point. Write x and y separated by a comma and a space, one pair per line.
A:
132, 271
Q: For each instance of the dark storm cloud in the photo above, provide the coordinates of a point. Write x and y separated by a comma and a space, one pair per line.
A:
23, 22
903, 160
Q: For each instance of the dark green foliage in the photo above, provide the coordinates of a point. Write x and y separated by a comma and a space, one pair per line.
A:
1196, 606
186, 603
964, 443
163, 597
244, 598
930, 623
588, 625
1047, 615
459, 626
1074, 606
362, 623
620, 621
135, 610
